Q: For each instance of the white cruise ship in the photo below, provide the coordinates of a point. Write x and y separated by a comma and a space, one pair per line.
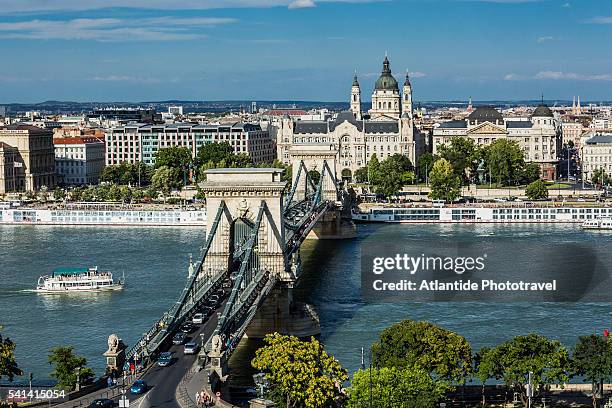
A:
598, 224
66, 280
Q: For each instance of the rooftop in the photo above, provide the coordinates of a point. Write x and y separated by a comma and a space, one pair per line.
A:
597, 139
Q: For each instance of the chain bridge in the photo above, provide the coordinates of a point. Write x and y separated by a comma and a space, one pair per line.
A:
256, 224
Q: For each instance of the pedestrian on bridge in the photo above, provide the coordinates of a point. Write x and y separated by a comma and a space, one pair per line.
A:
198, 399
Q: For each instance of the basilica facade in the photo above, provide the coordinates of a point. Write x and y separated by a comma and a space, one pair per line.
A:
355, 136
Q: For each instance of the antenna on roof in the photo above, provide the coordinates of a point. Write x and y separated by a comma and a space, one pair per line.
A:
542, 98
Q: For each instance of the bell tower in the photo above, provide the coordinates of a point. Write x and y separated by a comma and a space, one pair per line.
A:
356, 98
407, 97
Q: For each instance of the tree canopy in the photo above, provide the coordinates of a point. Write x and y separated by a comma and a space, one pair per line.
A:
537, 190
301, 372
8, 365
443, 182
592, 359
461, 153
512, 361
65, 362
394, 387
504, 160
445, 355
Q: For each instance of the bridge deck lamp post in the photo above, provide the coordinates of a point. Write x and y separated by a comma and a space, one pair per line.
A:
77, 371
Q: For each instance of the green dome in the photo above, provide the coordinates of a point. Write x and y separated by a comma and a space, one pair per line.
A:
386, 82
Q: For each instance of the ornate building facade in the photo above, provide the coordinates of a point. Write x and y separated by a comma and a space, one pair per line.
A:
539, 136
354, 136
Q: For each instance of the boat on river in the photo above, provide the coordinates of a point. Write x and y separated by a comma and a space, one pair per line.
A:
69, 280
598, 224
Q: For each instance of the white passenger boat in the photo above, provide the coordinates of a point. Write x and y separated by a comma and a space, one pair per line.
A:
598, 224
67, 280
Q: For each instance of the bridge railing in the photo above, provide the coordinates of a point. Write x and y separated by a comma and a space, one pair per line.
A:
151, 340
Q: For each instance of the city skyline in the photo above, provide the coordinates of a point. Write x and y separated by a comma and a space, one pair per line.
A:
303, 50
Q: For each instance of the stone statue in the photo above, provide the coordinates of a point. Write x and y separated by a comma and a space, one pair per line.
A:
216, 344
481, 171
113, 343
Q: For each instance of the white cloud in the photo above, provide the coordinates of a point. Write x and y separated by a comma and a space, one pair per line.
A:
417, 74
296, 4
39, 6
566, 5
600, 20
545, 38
559, 76
111, 29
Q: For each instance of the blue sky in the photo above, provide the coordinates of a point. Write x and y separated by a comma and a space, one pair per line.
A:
135, 50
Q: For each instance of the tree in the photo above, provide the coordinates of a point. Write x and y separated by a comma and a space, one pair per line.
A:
361, 175
374, 169
530, 173
600, 177
301, 372
8, 365
444, 183
536, 190
214, 152
504, 159
512, 361
461, 154
393, 173
592, 359
176, 157
164, 179
59, 194
315, 176
394, 387
65, 364
425, 164
445, 355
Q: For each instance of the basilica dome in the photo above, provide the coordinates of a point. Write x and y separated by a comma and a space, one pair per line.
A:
386, 82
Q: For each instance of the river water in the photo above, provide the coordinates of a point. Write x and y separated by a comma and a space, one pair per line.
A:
155, 265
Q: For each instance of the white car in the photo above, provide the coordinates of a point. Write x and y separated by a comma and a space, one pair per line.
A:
198, 318
191, 348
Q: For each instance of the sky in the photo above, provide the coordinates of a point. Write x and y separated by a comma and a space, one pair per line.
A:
303, 50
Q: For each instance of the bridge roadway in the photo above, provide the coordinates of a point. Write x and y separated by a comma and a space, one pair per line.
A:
163, 381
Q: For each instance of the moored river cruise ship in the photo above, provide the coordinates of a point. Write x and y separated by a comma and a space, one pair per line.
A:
499, 214
104, 217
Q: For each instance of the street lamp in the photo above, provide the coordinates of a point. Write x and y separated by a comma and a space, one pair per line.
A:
262, 382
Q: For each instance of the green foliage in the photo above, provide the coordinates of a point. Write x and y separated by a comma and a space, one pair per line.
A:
592, 359
600, 177
425, 164
361, 175
393, 173
127, 173
59, 194
165, 179
536, 190
8, 365
443, 182
174, 157
445, 355
215, 153
65, 362
504, 159
513, 360
530, 173
315, 176
301, 373
374, 169
394, 387
461, 153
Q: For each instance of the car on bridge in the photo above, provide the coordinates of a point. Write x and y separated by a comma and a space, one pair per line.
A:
198, 318
191, 348
187, 327
206, 310
164, 359
179, 338
139, 387
102, 403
